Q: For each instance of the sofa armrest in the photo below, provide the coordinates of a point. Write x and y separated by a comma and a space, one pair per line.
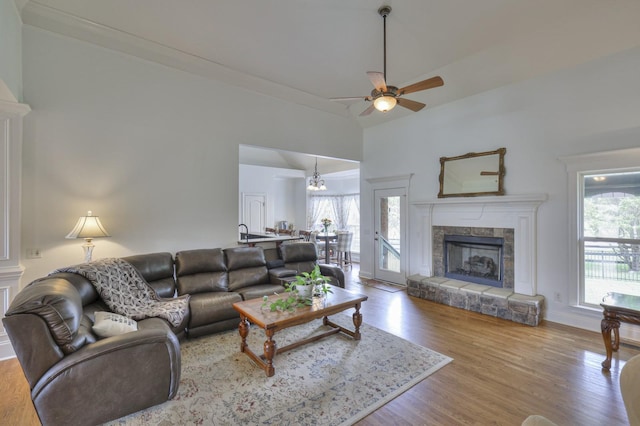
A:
334, 272
276, 275
111, 378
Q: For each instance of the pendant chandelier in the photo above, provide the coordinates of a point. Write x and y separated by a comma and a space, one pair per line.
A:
316, 183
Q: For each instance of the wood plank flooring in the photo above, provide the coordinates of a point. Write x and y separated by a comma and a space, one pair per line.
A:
502, 371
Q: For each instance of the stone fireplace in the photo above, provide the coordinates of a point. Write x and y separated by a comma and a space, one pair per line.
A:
479, 254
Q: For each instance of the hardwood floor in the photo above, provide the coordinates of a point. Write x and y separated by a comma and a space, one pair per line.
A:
502, 371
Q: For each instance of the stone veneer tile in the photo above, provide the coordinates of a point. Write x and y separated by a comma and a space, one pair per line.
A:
476, 288
454, 284
529, 300
435, 280
500, 293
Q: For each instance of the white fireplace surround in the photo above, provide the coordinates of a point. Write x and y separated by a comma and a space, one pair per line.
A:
510, 211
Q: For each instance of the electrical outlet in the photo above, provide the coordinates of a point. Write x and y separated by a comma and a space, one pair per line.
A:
33, 253
557, 297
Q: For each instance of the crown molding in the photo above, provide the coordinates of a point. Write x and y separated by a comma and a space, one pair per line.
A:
51, 19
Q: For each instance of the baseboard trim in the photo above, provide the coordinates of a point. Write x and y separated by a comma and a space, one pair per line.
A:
6, 350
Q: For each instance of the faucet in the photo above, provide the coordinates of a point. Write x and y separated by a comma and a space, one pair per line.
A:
246, 233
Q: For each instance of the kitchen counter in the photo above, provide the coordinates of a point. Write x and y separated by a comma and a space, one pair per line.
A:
278, 239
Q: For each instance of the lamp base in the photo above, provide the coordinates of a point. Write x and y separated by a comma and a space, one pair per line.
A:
88, 250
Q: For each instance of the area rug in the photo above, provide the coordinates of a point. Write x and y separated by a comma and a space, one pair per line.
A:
333, 381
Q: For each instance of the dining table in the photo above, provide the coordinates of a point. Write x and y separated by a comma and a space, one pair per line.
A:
327, 237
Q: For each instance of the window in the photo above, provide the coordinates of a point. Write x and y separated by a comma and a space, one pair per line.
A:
343, 210
610, 235
596, 223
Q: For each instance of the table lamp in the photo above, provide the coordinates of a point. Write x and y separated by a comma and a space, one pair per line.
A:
88, 227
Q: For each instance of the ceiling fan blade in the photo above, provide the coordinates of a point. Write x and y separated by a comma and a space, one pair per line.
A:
412, 105
429, 83
377, 79
367, 111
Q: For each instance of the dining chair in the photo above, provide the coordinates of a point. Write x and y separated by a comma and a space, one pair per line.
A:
306, 235
342, 248
313, 239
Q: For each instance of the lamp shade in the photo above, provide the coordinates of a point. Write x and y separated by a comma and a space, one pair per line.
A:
88, 226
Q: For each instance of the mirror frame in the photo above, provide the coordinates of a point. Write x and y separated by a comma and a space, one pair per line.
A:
500, 173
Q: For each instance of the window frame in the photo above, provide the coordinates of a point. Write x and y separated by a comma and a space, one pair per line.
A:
624, 160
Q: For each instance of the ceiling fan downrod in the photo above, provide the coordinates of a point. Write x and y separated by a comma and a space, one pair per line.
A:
384, 11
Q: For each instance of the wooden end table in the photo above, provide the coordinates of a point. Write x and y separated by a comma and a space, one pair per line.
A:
618, 308
271, 322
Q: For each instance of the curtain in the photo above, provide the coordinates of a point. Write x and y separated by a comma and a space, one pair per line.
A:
313, 214
337, 207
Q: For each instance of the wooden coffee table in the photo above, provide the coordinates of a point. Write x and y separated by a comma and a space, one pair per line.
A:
271, 322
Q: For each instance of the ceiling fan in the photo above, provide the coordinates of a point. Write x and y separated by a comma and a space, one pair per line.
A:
385, 97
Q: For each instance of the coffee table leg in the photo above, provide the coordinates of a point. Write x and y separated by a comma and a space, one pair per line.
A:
243, 329
357, 322
269, 352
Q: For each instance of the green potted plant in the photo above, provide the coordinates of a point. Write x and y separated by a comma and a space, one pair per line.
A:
310, 283
301, 291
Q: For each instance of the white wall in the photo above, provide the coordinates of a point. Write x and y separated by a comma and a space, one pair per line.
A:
341, 185
152, 150
11, 47
285, 193
590, 108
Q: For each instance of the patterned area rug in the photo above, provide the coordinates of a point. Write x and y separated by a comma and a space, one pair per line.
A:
334, 381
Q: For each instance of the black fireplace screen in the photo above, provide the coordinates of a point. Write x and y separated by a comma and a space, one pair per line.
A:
474, 259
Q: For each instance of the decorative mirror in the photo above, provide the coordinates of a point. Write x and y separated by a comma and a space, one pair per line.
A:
472, 174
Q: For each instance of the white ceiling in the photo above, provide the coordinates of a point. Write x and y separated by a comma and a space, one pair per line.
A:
307, 51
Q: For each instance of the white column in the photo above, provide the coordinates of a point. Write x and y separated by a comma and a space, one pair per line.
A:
11, 114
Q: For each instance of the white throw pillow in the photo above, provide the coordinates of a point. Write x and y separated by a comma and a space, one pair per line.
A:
108, 324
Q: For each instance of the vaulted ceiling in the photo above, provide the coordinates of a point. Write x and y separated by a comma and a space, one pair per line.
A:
307, 51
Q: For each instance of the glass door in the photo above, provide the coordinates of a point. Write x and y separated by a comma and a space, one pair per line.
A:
390, 220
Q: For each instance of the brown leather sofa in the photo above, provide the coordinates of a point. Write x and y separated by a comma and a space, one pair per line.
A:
77, 378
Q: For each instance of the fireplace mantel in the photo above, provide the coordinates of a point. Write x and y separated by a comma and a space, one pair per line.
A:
510, 211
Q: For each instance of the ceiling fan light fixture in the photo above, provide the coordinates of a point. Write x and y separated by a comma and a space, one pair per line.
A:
385, 103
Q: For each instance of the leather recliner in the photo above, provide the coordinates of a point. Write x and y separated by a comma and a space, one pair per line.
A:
76, 378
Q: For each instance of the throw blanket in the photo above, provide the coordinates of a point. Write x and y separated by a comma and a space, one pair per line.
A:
126, 292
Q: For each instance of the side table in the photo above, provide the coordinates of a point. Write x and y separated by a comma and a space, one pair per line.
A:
618, 308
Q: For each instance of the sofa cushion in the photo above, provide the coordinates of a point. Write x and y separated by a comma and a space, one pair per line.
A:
247, 267
58, 303
157, 270
244, 257
87, 291
301, 252
208, 308
202, 270
108, 324
257, 291
248, 277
